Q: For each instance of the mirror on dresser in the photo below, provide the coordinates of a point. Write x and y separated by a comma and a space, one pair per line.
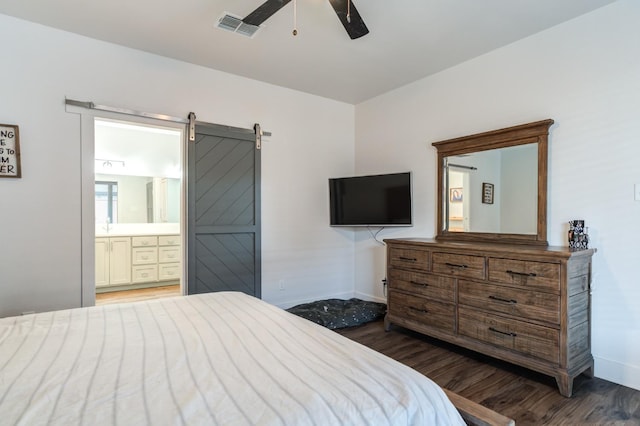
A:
492, 186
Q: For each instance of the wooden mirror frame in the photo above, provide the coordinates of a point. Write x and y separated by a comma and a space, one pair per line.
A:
536, 132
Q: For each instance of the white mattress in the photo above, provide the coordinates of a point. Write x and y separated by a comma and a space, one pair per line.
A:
220, 358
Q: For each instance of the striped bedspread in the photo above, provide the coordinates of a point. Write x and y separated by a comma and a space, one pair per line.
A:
211, 359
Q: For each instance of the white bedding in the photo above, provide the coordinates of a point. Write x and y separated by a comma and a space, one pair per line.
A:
212, 359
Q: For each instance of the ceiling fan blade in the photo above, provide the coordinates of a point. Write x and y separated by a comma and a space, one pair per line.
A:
264, 11
356, 28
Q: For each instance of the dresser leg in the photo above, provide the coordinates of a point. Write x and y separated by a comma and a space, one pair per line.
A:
387, 324
565, 384
589, 371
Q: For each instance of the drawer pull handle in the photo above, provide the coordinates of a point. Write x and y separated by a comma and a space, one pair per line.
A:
419, 284
502, 332
408, 259
422, 311
499, 299
455, 265
524, 274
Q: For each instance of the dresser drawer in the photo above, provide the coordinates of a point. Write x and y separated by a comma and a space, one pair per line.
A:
427, 285
507, 300
144, 241
529, 339
144, 255
459, 265
144, 273
520, 273
423, 311
409, 258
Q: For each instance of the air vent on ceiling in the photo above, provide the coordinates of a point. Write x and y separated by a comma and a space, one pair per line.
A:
234, 24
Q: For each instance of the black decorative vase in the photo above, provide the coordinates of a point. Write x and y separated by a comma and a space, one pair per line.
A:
578, 236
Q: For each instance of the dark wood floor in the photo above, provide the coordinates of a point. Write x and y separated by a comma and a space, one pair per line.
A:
525, 396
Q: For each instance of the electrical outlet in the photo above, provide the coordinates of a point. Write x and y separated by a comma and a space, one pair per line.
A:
636, 188
281, 285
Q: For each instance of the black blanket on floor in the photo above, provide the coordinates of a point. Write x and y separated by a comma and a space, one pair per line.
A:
339, 313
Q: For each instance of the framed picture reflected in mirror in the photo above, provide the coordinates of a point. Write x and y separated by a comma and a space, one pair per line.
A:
487, 193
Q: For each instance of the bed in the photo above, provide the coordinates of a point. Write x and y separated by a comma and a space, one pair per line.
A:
218, 358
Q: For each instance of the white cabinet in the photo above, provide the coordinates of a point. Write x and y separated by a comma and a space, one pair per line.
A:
102, 262
140, 259
169, 256
144, 259
144, 273
160, 200
113, 261
120, 260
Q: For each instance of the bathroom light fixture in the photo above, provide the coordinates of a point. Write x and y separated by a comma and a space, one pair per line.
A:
107, 164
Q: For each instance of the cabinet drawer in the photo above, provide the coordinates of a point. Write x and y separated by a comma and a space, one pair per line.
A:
520, 273
144, 255
169, 240
169, 254
168, 271
522, 303
459, 265
144, 241
427, 285
423, 311
409, 258
144, 273
534, 340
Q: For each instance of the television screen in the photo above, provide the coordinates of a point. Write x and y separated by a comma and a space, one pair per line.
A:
380, 200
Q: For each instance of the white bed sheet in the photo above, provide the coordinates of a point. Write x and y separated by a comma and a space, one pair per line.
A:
212, 359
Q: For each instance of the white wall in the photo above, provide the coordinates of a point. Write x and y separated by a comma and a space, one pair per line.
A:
40, 254
584, 74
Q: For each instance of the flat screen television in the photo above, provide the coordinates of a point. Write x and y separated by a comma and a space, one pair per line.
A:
377, 200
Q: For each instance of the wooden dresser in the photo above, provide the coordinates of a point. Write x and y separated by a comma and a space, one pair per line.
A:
528, 305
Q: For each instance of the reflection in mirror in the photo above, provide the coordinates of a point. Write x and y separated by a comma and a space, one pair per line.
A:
492, 186
137, 199
106, 201
509, 206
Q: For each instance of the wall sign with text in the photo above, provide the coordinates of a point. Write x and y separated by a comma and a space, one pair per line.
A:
9, 151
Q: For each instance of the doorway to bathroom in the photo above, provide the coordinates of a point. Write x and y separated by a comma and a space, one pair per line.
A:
138, 211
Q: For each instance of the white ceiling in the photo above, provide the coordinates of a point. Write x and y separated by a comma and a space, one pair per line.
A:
408, 39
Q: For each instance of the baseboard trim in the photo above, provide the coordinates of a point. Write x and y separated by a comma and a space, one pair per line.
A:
291, 303
370, 298
617, 372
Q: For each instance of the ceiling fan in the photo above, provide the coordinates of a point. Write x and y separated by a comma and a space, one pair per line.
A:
346, 11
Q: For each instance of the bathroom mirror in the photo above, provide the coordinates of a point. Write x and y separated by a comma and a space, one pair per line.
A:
137, 199
492, 186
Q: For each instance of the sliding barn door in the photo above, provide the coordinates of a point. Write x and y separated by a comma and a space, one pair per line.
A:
223, 181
